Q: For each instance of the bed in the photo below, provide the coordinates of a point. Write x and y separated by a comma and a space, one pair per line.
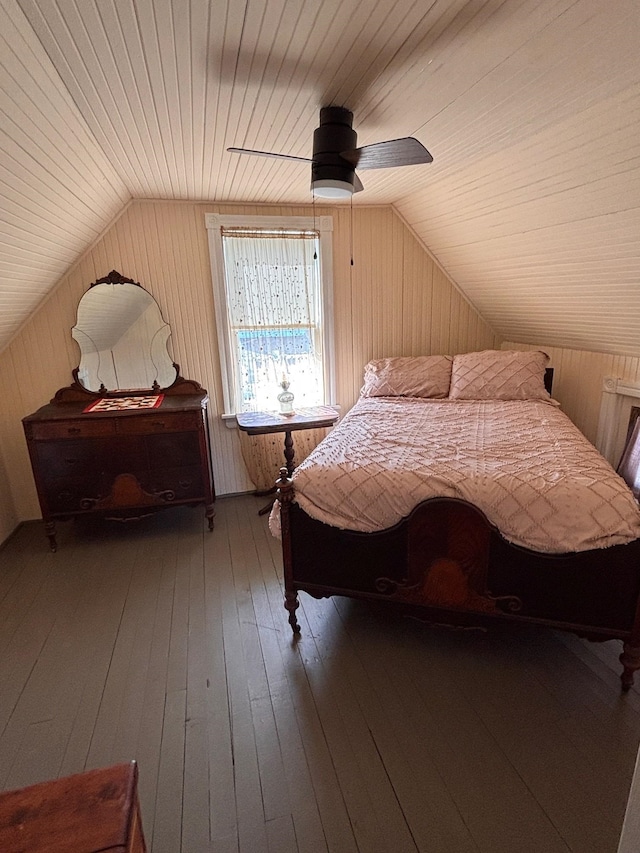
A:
456, 491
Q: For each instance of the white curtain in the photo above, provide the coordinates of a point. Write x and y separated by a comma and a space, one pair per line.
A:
275, 318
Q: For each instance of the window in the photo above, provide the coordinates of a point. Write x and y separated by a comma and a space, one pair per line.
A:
272, 289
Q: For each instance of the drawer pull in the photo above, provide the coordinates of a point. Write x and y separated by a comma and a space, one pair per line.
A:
74, 430
184, 484
158, 424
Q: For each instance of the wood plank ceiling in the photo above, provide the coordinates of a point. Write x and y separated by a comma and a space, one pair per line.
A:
529, 107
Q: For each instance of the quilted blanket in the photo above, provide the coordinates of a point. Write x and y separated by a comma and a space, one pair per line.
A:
523, 463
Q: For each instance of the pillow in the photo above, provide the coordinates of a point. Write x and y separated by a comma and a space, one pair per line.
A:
408, 376
499, 375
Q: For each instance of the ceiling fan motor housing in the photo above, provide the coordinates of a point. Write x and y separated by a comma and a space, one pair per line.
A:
334, 135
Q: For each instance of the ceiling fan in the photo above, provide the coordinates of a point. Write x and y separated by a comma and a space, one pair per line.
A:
335, 156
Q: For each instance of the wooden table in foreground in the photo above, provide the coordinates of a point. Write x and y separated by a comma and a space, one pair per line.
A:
86, 813
261, 423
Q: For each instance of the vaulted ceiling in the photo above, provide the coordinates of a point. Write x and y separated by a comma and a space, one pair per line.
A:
530, 108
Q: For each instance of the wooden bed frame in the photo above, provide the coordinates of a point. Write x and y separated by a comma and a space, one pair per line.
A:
445, 563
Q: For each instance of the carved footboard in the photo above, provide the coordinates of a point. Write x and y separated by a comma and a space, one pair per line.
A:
445, 563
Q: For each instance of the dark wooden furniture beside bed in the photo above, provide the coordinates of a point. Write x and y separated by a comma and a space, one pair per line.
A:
266, 423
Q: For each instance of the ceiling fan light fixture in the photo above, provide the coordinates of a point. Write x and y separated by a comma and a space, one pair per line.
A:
330, 188
335, 155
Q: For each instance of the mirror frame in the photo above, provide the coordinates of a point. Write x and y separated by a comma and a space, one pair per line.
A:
113, 278
76, 392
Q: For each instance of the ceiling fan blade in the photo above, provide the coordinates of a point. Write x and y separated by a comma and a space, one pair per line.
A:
357, 184
383, 155
269, 154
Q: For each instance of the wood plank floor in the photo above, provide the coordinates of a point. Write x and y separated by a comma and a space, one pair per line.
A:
163, 642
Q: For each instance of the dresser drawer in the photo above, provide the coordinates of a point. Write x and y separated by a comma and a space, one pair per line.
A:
152, 424
66, 495
100, 455
77, 428
172, 449
185, 482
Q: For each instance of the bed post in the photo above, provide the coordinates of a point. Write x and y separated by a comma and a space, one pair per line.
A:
630, 660
630, 657
284, 496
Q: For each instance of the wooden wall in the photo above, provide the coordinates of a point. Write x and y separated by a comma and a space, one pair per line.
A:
394, 300
8, 517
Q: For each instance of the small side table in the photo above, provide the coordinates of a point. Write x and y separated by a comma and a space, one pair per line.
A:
261, 423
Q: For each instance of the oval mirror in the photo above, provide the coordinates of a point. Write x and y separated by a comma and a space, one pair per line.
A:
122, 338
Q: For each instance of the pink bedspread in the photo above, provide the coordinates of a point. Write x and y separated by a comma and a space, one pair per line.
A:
524, 464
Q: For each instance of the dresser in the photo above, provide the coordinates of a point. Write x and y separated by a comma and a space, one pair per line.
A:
122, 464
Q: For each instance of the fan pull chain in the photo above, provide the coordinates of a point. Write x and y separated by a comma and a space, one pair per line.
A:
313, 207
351, 229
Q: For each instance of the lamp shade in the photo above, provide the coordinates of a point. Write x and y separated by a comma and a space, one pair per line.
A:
331, 188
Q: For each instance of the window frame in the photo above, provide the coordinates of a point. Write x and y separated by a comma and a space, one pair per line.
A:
215, 222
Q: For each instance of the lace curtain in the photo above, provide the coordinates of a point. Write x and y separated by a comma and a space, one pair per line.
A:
274, 304
274, 308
